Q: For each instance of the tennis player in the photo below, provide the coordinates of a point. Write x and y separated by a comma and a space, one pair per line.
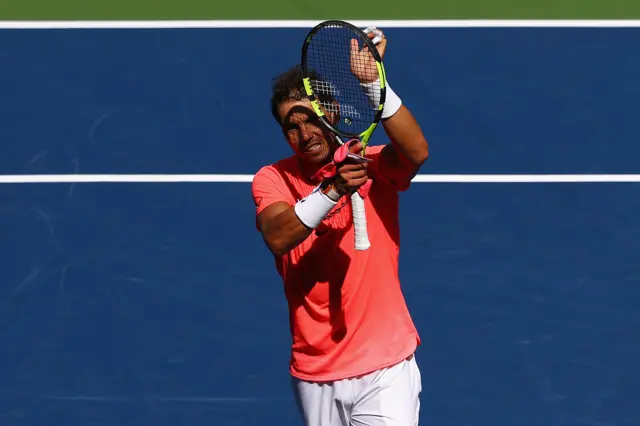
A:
353, 340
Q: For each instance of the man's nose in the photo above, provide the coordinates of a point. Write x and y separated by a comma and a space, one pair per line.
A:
306, 131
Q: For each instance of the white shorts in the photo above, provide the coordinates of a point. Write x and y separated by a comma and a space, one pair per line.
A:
388, 397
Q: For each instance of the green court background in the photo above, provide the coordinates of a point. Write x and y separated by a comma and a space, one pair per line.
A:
295, 9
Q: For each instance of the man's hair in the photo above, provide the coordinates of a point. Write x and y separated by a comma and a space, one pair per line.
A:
289, 86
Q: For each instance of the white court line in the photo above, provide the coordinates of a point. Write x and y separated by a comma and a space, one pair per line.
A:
439, 23
231, 178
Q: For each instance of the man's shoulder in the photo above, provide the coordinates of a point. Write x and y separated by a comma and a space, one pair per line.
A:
277, 175
373, 152
285, 165
272, 183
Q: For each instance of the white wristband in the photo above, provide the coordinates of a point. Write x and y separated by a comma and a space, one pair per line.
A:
371, 90
312, 209
392, 102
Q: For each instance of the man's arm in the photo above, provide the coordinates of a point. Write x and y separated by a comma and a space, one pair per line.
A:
276, 219
282, 230
399, 161
285, 226
408, 150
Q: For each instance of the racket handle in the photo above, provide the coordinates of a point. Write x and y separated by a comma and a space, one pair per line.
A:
359, 222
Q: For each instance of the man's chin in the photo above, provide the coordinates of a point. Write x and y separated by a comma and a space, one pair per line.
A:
319, 156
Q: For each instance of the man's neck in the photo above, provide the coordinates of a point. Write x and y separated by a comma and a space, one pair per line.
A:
310, 169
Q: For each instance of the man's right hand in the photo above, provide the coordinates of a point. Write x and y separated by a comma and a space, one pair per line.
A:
350, 175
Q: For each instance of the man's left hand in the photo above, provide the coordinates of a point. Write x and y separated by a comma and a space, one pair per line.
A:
363, 66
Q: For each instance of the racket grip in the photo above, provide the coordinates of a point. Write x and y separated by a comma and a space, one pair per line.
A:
359, 222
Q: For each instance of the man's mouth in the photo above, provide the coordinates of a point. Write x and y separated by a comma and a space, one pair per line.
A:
313, 147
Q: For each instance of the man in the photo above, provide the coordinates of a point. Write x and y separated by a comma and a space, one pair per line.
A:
352, 359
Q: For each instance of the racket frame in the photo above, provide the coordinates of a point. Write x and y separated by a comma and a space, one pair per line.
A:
343, 136
360, 224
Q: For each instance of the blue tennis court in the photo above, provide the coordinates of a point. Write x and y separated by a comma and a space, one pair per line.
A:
157, 303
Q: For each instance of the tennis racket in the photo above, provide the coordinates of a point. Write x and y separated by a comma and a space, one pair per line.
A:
346, 87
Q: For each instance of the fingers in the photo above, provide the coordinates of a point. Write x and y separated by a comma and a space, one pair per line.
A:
356, 148
378, 38
354, 175
375, 34
354, 46
351, 174
350, 185
351, 168
350, 178
355, 183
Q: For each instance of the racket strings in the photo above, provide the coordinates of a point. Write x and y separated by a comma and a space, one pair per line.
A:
334, 79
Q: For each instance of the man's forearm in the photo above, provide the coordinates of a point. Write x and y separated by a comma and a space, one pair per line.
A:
284, 226
284, 231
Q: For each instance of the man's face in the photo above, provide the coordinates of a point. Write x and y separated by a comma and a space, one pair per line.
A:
304, 131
